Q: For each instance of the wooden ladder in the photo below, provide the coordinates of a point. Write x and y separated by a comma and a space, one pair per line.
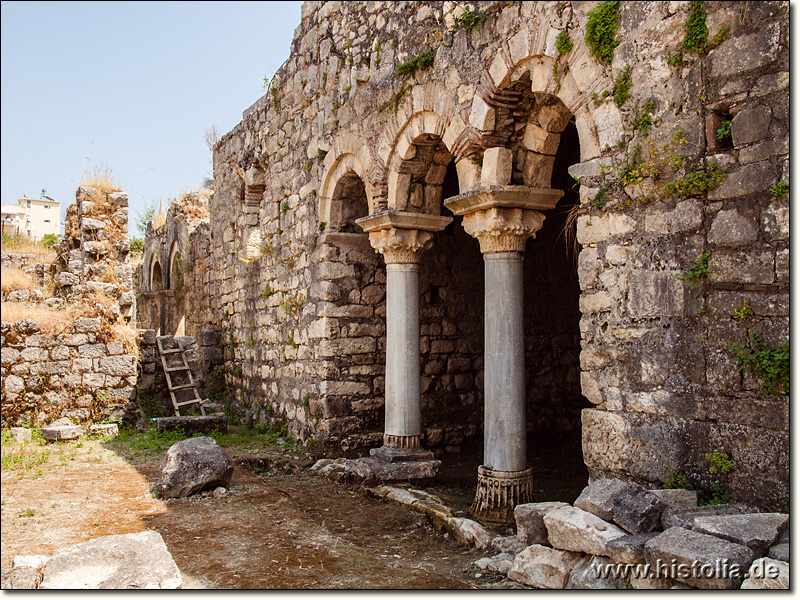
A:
184, 366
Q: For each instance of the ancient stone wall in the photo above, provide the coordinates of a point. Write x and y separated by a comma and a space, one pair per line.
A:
682, 232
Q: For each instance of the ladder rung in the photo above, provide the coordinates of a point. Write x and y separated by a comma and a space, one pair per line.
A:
189, 402
177, 369
182, 387
171, 351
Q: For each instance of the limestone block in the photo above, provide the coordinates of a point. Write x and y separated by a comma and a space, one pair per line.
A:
500, 563
119, 198
543, 567
677, 498
89, 224
59, 353
118, 365
588, 575
470, 532
65, 278
745, 52
779, 552
341, 347
497, 165
62, 432
40, 340
654, 294
192, 465
13, 384
767, 574
598, 497
530, 521
94, 380
591, 229
576, 530
684, 517
636, 510
104, 429
482, 116
686, 216
609, 123
588, 267
538, 169
115, 348
704, 561
21, 434
86, 325
590, 387
76, 339
594, 303
8, 356
750, 267
775, 221
510, 543
538, 139
750, 125
730, 228
749, 179
629, 549
756, 531
129, 561
92, 350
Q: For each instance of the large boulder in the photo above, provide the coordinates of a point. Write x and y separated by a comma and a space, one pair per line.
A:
114, 562
193, 465
636, 510
598, 497
758, 532
530, 521
574, 529
684, 517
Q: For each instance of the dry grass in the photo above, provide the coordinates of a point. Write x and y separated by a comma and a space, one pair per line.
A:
22, 245
16, 279
102, 179
194, 204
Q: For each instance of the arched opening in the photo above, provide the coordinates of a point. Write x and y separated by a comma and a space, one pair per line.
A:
349, 202
175, 274
156, 277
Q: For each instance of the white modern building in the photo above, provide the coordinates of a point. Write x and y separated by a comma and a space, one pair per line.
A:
32, 217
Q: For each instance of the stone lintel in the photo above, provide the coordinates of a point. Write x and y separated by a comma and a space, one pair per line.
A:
400, 236
502, 218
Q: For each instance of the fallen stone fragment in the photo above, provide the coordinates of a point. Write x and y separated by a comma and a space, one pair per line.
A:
570, 528
530, 521
129, 561
598, 497
543, 567
470, 532
193, 465
62, 429
758, 532
636, 510
33, 561
684, 517
105, 429
701, 560
629, 549
677, 498
500, 563
509, 544
23, 578
779, 552
767, 574
191, 425
595, 573
21, 434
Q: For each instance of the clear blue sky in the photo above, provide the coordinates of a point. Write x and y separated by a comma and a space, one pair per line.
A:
129, 85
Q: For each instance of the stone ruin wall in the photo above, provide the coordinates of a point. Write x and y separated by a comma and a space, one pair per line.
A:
87, 369
299, 294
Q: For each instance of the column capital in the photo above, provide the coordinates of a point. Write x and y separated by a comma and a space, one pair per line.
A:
402, 237
503, 217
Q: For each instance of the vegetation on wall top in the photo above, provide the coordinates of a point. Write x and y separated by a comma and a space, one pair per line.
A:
601, 30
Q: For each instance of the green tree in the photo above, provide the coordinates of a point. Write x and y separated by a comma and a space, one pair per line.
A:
144, 217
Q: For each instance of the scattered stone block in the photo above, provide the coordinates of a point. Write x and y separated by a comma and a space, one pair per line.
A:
470, 532
598, 497
767, 574
701, 560
510, 544
629, 549
576, 530
193, 465
501, 563
677, 498
530, 521
32, 561
636, 510
21, 434
596, 573
191, 425
104, 429
62, 429
543, 567
129, 561
779, 552
758, 532
684, 517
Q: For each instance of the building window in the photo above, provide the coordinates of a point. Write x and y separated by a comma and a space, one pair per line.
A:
47, 220
29, 203
47, 206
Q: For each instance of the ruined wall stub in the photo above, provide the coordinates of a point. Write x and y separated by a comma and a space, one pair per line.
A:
300, 294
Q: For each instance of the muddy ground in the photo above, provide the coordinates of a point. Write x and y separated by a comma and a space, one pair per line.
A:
278, 526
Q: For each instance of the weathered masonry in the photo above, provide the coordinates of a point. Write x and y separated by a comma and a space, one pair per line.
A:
447, 221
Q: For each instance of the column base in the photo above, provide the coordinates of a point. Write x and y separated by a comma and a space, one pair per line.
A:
497, 494
401, 448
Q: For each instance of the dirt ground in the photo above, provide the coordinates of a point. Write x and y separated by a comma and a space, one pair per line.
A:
273, 529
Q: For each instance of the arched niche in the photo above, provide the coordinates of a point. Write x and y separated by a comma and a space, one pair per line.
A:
175, 276
156, 276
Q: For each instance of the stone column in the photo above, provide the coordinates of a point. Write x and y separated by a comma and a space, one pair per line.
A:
502, 218
402, 238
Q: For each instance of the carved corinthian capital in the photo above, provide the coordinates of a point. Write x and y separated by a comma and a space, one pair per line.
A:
400, 246
503, 229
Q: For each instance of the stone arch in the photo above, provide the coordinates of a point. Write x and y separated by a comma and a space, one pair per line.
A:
175, 279
417, 162
346, 172
156, 276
